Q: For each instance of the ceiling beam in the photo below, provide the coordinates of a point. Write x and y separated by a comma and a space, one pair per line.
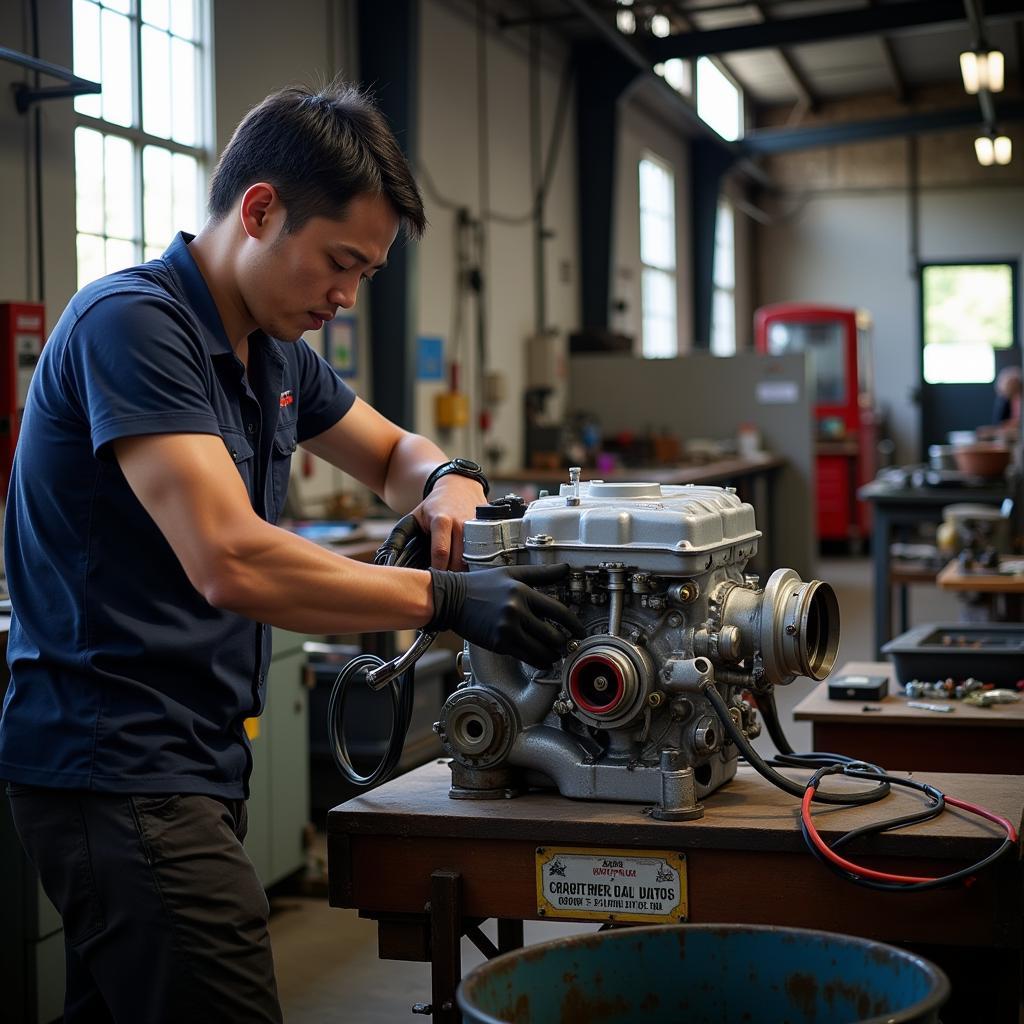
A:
899, 17
689, 120
899, 83
682, 16
506, 21
805, 95
769, 141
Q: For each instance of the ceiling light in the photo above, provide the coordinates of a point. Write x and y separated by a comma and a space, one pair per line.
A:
996, 68
1003, 149
625, 22
677, 74
969, 71
982, 69
984, 149
661, 26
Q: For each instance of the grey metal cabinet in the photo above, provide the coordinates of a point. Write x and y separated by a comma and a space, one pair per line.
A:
279, 787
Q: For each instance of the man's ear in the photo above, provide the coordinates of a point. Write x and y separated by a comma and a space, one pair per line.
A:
255, 211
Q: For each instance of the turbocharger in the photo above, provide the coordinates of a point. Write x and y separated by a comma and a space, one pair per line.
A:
656, 574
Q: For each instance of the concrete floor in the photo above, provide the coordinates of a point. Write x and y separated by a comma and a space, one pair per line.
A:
327, 965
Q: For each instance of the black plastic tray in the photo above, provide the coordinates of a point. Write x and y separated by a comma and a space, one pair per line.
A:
990, 651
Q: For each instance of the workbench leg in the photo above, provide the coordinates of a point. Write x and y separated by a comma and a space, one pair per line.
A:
510, 935
904, 607
445, 945
883, 591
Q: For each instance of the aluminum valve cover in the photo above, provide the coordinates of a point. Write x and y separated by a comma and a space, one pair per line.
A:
679, 528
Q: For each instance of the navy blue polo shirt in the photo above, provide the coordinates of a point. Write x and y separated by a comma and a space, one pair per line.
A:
123, 677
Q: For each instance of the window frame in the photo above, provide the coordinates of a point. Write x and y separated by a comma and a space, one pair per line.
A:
139, 139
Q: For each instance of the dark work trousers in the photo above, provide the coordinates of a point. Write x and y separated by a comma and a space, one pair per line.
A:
165, 921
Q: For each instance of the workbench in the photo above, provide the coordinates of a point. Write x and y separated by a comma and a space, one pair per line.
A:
967, 739
978, 581
430, 869
1003, 591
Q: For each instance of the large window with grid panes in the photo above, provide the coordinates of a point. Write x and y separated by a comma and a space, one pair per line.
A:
142, 144
658, 286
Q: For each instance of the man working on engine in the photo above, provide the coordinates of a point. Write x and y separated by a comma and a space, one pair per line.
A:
145, 568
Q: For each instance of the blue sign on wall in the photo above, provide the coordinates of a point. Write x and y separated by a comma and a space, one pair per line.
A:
430, 359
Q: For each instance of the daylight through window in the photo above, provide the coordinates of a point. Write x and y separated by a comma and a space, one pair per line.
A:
140, 145
660, 338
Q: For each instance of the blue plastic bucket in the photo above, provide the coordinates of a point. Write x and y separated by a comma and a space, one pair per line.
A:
705, 974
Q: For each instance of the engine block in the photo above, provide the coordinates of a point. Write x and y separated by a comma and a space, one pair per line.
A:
656, 574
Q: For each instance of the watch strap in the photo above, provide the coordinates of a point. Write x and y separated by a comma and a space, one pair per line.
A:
461, 467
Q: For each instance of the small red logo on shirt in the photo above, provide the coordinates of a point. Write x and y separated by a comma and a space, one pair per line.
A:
287, 398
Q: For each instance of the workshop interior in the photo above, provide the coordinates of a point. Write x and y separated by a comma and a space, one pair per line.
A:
722, 299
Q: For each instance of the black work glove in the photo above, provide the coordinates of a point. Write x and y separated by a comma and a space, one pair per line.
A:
499, 609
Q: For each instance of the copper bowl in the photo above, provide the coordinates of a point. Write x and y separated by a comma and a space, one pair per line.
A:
983, 458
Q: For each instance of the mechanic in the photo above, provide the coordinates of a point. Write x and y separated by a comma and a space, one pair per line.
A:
145, 567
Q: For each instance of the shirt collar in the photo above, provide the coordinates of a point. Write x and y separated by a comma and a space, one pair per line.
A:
197, 294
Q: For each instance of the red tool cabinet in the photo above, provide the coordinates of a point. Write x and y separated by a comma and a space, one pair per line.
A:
22, 334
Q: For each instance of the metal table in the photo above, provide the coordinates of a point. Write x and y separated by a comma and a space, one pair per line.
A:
905, 506
429, 870
968, 739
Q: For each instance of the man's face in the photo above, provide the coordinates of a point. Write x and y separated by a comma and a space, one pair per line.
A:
296, 281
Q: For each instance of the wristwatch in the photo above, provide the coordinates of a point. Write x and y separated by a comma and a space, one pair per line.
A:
463, 467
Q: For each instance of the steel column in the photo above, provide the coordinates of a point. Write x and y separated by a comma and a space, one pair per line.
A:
389, 59
601, 76
708, 165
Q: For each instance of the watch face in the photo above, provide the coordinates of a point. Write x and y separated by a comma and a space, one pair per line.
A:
468, 464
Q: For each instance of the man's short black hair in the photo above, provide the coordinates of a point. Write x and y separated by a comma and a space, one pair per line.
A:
319, 150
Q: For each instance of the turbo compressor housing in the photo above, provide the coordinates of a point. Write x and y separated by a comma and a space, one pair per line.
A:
656, 574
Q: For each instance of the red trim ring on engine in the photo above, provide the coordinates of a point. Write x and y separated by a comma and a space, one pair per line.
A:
611, 672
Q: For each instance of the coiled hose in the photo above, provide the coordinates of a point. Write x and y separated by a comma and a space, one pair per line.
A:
407, 546
786, 756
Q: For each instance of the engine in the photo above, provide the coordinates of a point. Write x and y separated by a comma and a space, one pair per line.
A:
657, 577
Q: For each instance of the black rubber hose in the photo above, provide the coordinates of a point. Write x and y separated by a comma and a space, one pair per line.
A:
357, 668
787, 757
406, 546
763, 768
770, 714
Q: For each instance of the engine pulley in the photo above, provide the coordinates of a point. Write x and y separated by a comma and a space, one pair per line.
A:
608, 680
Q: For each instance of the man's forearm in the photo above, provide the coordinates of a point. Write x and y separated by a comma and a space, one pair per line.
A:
275, 577
412, 460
